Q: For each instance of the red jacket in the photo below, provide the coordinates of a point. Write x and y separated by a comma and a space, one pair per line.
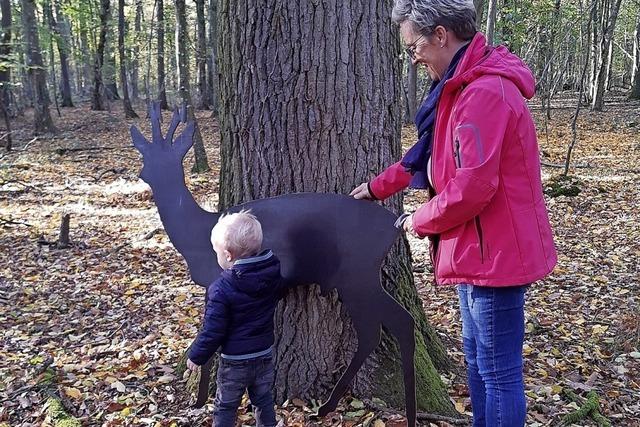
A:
489, 210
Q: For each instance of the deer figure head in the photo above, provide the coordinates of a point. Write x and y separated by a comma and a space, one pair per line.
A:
162, 157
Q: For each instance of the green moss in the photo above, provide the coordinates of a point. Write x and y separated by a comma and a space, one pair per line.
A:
59, 416
563, 185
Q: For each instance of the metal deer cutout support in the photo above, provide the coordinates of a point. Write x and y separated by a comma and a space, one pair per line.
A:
331, 240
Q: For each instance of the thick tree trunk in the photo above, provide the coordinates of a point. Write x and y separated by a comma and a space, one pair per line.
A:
607, 36
126, 102
212, 67
60, 26
162, 92
5, 72
184, 92
36, 71
97, 99
635, 80
204, 94
315, 106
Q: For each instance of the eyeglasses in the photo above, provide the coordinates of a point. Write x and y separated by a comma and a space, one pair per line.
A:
411, 49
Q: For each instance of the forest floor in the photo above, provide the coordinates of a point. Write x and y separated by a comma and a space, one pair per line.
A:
103, 323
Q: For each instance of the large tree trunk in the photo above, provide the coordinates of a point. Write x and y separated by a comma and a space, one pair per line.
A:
162, 92
60, 26
635, 80
97, 100
184, 92
606, 39
212, 71
314, 105
126, 102
5, 72
36, 70
201, 58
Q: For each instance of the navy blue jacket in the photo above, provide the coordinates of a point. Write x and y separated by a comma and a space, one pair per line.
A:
240, 308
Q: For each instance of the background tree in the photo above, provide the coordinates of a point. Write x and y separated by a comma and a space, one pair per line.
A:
126, 102
97, 100
184, 92
5, 68
36, 71
315, 106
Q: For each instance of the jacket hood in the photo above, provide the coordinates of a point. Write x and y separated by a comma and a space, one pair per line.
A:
255, 275
480, 60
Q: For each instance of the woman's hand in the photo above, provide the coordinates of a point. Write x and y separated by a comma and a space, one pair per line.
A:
408, 227
362, 192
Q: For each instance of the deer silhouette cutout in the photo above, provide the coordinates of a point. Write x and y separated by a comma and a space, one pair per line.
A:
331, 240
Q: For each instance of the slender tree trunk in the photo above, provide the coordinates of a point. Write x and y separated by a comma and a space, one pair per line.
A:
135, 62
318, 110
412, 91
97, 101
86, 59
162, 92
635, 80
609, 69
201, 58
36, 70
5, 72
479, 5
607, 36
47, 22
491, 20
109, 71
126, 102
60, 27
212, 57
184, 92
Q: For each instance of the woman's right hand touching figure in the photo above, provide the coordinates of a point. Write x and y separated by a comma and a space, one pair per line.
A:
362, 192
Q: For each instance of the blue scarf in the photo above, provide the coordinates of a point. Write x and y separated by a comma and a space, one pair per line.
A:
417, 158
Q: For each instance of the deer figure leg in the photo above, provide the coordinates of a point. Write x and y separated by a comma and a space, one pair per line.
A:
401, 325
368, 333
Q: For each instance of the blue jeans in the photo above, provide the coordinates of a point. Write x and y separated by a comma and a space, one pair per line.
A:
492, 336
233, 378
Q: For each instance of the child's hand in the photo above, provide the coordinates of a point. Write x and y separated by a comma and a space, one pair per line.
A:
192, 366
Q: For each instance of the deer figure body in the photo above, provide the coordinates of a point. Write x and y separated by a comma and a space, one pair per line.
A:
330, 240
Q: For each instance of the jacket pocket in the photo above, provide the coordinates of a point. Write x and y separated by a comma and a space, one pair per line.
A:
480, 234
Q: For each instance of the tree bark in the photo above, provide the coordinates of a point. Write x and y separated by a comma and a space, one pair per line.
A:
184, 92
97, 100
309, 101
606, 39
60, 27
126, 102
36, 71
162, 92
212, 71
204, 94
5, 72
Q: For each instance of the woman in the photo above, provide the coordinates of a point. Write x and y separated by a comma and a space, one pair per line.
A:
477, 152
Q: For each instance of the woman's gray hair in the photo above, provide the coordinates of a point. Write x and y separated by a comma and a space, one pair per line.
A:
458, 16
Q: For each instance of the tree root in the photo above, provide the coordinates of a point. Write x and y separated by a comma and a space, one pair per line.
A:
589, 408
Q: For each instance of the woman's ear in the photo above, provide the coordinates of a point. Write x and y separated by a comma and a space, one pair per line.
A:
440, 36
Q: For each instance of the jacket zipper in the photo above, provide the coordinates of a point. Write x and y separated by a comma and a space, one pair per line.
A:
480, 237
436, 256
